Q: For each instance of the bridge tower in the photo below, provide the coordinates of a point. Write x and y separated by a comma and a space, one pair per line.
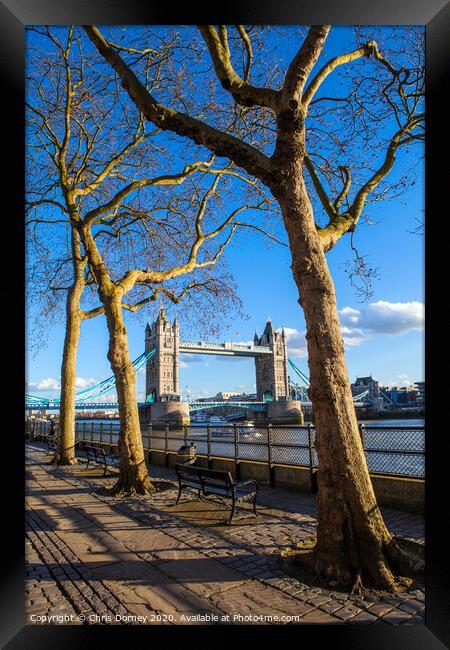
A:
161, 382
272, 370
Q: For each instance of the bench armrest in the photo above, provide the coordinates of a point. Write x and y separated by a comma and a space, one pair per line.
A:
250, 481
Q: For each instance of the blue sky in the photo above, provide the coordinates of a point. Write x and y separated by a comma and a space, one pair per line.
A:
383, 336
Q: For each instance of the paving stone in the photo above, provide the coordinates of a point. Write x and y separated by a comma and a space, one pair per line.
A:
100, 555
396, 616
345, 613
363, 618
413, 607
380, 609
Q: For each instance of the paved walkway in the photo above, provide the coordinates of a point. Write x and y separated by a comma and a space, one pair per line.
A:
96, 559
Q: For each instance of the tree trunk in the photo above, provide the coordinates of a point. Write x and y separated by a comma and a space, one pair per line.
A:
353, 544
65, 454
133, 476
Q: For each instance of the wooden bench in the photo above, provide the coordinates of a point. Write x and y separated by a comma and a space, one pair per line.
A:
97, 455
214, 482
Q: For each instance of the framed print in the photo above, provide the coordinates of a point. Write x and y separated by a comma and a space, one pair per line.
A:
225, 262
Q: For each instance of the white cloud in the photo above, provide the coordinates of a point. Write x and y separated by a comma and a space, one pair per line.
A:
353, 336
48, 384
401, 380
52, 384
359, 325
385, 317
296, 342
82, 383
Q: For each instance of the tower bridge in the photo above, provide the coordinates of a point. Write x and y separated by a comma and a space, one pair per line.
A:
162, 372
279, 398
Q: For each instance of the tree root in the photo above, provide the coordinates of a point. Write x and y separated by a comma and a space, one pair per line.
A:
407, 556
66, 461
358, 587
60, 462
130, 489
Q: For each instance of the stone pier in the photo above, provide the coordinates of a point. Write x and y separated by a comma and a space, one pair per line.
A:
281, 412
162, 413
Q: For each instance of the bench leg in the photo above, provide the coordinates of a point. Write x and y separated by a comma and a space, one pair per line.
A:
179, 494
201, 496
232, 511
254, 506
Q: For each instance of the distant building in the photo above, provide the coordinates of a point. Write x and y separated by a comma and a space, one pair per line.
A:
226, 395
420, 387
405, 395
231, 396
366, 383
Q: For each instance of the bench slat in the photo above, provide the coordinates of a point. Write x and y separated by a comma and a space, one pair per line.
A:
211, 481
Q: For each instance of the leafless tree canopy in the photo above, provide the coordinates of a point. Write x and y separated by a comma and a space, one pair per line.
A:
143, 192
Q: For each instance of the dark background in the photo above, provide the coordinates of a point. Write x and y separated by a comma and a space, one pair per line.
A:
14, 15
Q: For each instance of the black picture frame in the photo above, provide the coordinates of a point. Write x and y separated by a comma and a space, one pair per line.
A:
14, 15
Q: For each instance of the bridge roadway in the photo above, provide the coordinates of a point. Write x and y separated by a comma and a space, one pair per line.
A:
193, 406
228, 348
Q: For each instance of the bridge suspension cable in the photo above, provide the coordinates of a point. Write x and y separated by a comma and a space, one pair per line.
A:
299, 373
93, 391
386, 398
303, 391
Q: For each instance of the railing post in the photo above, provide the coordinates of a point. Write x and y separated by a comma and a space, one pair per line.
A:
92, 430
110, 434
84, 429
362, 431
311, 457
236, 452
185, 434
101, 432
208, 445
269, 454
166, 445
149, 442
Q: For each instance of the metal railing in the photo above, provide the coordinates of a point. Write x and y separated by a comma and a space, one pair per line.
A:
390, 450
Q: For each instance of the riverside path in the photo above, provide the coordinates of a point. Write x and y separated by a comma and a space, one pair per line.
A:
96, 559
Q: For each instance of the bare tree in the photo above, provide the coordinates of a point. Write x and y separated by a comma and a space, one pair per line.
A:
56, 267
353, 544
96, 167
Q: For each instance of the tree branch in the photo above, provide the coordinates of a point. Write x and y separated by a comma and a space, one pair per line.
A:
220, 143
92, 313
347, 179
321, 193
302, 64
174, 179
347, 221
240, 89
369, 49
